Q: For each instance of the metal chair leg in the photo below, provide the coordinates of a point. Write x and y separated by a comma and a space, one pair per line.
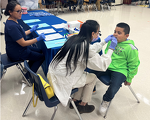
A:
55, 109
115, 6
73, 104
107, 109
24, 113
108, 6
3, 74
83, 8
21, 65
102, 7
94, 5
133, 93
29, 84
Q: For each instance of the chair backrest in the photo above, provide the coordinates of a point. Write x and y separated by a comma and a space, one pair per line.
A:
103, 1
47, 2
34, 78
92, 1
39, 89
110, 1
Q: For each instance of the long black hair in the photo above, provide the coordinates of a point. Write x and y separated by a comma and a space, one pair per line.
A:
10, 7
76, 46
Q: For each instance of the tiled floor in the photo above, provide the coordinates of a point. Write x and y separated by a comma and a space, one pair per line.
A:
15, 96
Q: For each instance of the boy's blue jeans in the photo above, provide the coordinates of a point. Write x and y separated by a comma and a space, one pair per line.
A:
116, 82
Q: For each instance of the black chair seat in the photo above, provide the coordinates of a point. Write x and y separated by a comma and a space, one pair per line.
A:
7, 62
54, 101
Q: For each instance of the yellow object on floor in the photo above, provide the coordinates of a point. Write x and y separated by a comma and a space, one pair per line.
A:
143, 5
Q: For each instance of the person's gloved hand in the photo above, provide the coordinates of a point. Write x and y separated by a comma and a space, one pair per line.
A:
41, 37
113, 43
108, 38
34, 28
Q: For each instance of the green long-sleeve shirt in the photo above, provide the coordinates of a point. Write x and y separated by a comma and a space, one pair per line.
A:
125, 59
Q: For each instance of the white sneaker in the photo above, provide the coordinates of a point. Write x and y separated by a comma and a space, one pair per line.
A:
103, 107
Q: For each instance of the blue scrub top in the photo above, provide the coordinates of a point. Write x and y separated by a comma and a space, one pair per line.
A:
14, 32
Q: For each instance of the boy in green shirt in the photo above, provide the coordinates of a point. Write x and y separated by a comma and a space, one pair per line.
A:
124, 65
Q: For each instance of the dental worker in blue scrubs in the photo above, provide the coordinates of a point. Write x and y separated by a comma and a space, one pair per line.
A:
17, 47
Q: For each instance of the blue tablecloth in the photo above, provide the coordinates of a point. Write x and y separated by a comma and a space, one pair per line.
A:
50, 20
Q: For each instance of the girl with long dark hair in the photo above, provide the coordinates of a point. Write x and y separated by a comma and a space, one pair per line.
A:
67, 67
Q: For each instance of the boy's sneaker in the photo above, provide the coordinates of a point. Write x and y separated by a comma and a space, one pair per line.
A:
85, 109
76, 103
103, 107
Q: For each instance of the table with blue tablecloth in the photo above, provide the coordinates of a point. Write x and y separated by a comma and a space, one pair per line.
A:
48, 51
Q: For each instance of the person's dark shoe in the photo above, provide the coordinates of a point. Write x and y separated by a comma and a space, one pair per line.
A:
85, 109
76, 103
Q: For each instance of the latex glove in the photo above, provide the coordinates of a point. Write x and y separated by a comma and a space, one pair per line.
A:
113, 43
108, 38
34, 28
41, 37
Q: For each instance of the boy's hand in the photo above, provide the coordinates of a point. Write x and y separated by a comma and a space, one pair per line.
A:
127, 83
113, 43
108, 38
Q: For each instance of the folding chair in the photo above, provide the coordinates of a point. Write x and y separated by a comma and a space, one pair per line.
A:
104, 3
76, 4
106, 80
146, 3
49, 3
111, 1
52, 102
63, 4
91, 2
6, 62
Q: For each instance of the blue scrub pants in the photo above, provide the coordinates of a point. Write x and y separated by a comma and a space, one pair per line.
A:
116, 82
35, 58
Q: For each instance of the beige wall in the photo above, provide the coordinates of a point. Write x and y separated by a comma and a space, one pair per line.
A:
3, 3
40, 1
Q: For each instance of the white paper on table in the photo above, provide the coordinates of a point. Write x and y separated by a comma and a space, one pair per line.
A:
31, 21
45, 31
41, 25
53, 36
62, 25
